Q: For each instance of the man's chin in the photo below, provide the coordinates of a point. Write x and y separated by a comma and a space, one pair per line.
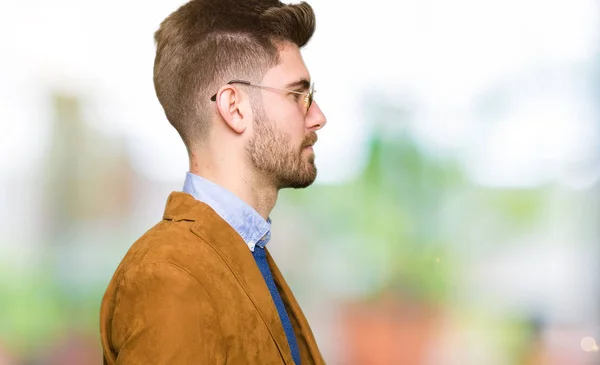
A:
302, 185
309, 180
300, 182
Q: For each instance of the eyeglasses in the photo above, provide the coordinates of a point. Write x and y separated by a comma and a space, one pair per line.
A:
308, 96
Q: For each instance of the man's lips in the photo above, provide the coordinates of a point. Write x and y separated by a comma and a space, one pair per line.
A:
310, 145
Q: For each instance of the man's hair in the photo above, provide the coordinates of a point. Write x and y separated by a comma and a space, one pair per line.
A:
206, 43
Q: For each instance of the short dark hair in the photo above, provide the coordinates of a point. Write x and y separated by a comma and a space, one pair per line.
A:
206, 43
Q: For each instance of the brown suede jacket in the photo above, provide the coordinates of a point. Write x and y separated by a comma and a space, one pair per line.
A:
189, 292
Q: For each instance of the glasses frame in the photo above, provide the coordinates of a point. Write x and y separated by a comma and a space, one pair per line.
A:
308, 95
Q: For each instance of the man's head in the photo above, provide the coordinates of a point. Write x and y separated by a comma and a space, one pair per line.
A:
266, 121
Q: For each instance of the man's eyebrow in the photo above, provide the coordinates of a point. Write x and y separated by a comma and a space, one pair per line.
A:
303, 84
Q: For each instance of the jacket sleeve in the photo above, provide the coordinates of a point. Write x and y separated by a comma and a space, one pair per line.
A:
162, 315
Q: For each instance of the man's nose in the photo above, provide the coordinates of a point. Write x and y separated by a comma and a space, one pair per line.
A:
315, 117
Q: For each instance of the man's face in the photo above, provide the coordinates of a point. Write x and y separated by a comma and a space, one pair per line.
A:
283, 129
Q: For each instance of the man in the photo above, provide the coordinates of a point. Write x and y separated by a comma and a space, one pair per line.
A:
200, 286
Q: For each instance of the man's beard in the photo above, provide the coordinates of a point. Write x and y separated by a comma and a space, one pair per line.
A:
271, 153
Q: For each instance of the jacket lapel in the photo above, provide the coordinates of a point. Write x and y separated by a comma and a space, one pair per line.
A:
309, 350
212, 229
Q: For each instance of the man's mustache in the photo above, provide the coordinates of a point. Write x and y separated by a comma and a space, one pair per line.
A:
310, 140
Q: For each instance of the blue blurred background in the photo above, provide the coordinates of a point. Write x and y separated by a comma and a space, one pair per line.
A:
454, 220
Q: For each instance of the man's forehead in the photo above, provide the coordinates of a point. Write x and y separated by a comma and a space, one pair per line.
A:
291, 70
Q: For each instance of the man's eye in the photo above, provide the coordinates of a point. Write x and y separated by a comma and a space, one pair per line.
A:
297, 96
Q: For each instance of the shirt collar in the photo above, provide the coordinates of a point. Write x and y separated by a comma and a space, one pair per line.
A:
254, 229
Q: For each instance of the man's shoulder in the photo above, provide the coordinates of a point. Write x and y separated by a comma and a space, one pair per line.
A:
170, 243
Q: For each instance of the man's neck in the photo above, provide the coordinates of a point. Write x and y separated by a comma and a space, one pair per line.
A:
245, 185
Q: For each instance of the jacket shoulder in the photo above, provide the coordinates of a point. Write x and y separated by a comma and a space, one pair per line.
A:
170, 242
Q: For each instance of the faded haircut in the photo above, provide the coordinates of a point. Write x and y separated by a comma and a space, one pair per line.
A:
206, 43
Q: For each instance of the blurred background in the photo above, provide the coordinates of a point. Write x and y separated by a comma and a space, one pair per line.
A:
454, 220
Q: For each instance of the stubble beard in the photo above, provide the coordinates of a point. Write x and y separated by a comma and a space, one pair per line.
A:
273, 156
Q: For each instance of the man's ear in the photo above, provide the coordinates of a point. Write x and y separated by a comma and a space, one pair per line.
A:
234, 107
